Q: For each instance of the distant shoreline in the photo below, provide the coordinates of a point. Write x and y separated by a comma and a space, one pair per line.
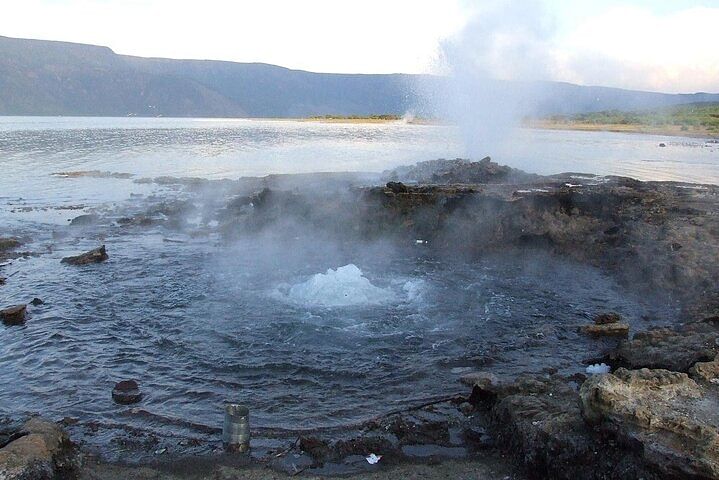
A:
379, 119
539, 124
663, 130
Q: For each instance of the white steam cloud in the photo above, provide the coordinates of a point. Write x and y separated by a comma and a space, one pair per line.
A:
503, 41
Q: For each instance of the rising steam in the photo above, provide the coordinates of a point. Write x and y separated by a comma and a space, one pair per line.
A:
493, 67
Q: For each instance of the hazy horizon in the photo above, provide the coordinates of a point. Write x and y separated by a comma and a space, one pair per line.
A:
665, 46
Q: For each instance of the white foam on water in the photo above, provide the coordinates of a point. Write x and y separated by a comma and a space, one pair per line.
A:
345, 286
598, 369
414, 289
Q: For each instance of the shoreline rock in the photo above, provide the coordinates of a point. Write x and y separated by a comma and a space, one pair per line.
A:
93, 256
40, 450
672, 419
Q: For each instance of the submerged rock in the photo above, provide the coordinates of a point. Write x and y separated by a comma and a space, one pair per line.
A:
126, 392
84, 220
672, 420
13, 315
93, 256
39, 451
9, 243
138, 220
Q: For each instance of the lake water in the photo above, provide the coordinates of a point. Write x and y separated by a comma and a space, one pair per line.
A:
32, 148
201, 320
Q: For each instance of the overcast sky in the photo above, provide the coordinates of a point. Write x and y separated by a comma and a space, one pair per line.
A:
666, 45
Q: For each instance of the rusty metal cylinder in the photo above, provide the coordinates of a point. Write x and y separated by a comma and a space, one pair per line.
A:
236, 429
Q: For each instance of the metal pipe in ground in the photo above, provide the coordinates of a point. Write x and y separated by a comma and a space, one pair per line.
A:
236, 429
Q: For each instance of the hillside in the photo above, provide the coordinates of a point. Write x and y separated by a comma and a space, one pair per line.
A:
57, 78
693, 119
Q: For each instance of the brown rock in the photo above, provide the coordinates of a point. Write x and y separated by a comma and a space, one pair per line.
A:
706, 371
43, 452
93, 256
606, 330
13, 315
668, 414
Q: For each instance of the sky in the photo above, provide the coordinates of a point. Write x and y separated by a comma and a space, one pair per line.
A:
660, 45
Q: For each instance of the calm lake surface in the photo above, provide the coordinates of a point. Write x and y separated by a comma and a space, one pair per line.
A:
199, 320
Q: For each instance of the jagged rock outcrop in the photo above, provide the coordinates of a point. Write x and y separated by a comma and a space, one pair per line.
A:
459, 171
667, 416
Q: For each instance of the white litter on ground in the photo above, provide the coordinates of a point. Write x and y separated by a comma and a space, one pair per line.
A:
598, 368
372, 459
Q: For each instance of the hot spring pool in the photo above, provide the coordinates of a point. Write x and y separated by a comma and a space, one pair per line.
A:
307, 333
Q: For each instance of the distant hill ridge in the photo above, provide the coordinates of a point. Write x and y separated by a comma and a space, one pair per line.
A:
40, 77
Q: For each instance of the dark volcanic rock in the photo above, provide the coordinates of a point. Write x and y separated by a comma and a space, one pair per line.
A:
318, 449
126, 392
36, 302
539, 420
607, 318
542, 422
461, 171
93, 256
13, 315
397, 187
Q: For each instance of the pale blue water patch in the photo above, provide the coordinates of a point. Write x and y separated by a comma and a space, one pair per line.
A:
609, 153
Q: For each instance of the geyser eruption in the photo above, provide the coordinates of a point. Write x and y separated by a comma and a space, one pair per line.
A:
493, 67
